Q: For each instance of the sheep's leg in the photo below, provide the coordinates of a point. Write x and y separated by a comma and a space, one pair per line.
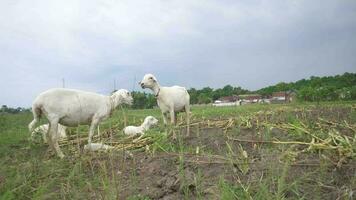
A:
139, 138
172, 122
45, 135
99, 135
93, 125
54, 136
33, 123
175, 117
187, 111
172, 116
36, 116
48, 138
164, 117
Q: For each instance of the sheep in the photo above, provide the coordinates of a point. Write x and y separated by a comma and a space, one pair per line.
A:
169, 99
71, 108
43, 130
97, 147
140, 130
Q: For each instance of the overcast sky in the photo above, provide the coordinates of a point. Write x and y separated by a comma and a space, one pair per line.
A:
193, 43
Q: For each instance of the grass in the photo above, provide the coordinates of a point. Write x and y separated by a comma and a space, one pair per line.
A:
208, 164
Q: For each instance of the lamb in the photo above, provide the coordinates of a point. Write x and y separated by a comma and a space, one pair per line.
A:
140, 130
97, 147
43, 130
71, 108
169, 99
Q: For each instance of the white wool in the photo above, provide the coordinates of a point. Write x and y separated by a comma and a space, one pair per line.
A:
75, 107
97, 147
43, 130
140, 130
169, 99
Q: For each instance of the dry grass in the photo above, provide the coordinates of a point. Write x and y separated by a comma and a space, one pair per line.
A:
259, 154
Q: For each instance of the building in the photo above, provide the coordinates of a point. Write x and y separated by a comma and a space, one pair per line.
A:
283, 97
227, 101
250, 98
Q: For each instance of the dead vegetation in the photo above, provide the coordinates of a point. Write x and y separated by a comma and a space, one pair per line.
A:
279, 153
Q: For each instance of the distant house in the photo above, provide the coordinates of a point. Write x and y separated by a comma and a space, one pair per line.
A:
283, 97
279, 96
227, 101
250, 98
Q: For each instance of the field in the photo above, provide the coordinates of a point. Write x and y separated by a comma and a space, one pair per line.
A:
296, 151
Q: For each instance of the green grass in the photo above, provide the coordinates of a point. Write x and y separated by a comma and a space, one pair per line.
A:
29, 171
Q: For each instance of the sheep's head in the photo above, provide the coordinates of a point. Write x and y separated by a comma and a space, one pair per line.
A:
148, 81
122, 96
149, 120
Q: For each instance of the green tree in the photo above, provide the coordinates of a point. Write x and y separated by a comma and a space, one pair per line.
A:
204, 98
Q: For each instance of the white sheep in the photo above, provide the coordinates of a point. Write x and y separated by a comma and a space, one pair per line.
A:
71, 108
140, 130
43, 130
97, 147
169, 99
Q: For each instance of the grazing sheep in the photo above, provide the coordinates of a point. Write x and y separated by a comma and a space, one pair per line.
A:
74, 107
43, 130
169, 99
140, 130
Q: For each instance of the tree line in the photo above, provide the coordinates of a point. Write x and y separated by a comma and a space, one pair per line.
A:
197, 96
6, 109
327, 88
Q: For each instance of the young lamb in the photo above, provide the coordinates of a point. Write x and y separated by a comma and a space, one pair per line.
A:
97, 147
169, 99
140, 130
43, 130
74, 107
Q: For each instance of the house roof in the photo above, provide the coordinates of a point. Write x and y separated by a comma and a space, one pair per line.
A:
229, 98
283, 94
250, 96
279, 94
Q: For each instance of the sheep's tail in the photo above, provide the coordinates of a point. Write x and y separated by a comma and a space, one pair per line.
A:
36, 111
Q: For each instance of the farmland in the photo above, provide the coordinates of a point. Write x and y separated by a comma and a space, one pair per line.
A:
294, 151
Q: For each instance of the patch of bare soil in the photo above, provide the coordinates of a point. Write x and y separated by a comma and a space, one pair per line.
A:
174, 175
181, 176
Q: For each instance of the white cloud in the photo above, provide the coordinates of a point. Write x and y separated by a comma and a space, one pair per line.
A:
192, 43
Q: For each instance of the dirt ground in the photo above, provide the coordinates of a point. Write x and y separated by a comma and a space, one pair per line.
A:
181, 176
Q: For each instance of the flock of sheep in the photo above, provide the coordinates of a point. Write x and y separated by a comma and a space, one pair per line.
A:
69, 107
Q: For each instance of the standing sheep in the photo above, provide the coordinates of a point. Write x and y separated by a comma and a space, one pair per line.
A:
169, 99
74, 107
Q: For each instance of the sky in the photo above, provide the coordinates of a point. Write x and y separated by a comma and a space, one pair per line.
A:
192, 43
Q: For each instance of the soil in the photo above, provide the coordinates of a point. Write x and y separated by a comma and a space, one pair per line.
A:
164, 176
170, 176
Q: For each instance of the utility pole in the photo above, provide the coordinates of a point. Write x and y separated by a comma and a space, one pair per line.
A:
63, 83
134, 83
114, 84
